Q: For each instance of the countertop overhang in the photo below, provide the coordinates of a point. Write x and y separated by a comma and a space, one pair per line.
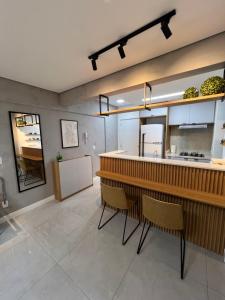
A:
199, 165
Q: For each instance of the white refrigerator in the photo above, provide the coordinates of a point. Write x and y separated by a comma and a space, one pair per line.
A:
152, 140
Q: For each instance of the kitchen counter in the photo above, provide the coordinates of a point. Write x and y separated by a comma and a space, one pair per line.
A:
199, 187
200, 165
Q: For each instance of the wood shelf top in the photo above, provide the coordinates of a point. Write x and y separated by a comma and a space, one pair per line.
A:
203, 197
166, 104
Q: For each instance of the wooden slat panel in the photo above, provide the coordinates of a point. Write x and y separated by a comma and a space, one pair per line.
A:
200, 191
209, 181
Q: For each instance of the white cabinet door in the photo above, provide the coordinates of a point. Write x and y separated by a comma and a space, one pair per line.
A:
192, 113
154, 112
128, 136
179, 115
202, 112
130, 115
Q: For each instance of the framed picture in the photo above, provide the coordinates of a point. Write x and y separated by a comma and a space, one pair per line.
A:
69, 133
20, 121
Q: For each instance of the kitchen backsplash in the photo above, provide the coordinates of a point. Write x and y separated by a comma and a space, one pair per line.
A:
192, 140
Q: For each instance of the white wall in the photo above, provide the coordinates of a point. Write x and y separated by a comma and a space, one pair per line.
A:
218, 151
128, 132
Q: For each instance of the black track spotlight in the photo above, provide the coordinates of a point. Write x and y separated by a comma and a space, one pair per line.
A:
165, 29
120, 43
94, 65
121, 51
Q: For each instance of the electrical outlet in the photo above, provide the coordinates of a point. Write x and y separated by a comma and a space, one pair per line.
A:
5, 204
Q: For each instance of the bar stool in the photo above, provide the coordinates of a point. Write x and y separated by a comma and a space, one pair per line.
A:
116, 197
166, 215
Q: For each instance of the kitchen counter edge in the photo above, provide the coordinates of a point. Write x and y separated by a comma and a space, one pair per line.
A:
120, 154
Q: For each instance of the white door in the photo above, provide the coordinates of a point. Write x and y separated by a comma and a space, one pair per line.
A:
128, 136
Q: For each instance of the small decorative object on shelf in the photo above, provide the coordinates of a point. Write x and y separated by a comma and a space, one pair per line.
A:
213, 85
191, 92
59, 157
222, 142
223, 126
20, 122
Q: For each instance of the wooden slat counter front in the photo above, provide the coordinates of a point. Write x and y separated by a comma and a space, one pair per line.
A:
199, 187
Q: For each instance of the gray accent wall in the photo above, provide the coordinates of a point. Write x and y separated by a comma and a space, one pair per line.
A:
14, 96
202, 56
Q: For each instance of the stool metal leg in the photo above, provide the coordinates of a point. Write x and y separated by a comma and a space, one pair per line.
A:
124, 241
100, 226
142, 239
182, 253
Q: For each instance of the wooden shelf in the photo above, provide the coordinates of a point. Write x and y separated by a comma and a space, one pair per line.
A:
166, 104
194, 195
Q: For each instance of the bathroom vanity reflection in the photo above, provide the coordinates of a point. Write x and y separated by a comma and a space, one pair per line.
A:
28, 150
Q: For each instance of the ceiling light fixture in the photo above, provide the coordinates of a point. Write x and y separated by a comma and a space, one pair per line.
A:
120, 101
94, 65
121, 50
165, 29
163, 20
165, 96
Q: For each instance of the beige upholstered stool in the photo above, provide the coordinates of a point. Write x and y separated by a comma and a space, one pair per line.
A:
116, 198
166, 215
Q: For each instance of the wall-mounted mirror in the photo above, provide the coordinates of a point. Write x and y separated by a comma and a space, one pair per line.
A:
28, 151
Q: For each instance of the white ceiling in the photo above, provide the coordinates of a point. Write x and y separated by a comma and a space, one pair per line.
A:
135, 97
46, 43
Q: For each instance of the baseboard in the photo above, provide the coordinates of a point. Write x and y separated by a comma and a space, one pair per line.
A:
25, 209
96, 178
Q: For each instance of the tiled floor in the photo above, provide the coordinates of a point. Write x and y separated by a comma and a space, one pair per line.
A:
60, 254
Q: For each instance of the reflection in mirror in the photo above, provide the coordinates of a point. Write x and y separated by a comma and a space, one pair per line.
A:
28, 152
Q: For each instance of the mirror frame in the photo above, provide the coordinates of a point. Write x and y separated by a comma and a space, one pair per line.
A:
14, 149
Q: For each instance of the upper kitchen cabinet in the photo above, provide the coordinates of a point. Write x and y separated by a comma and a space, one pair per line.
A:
179, 115
129, 115
194, 113
202, 112
154, 112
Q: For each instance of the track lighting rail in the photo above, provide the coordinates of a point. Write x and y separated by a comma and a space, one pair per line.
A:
163, 20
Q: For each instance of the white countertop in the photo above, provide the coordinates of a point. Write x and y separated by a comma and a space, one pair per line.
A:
200, 165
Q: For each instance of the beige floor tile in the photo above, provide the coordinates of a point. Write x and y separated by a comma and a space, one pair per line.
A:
21, 266
98, 264
165, 248
215, 296
216, 273
55, 285
156, 281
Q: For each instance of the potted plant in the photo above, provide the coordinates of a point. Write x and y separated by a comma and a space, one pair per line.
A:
213, 85
191, 92
59, 157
